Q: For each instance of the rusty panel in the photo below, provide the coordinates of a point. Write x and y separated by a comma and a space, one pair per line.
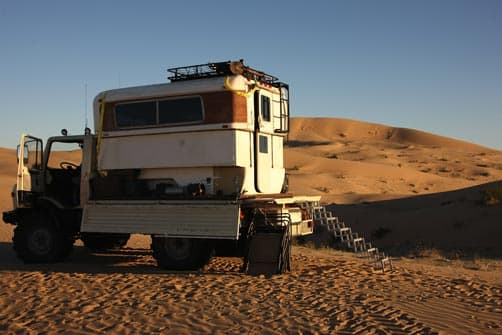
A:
224, 107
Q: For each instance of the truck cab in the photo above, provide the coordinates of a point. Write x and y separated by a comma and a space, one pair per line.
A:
46, 197
51, 175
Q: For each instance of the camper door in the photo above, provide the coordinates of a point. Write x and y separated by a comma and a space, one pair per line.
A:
263, 141
29, 166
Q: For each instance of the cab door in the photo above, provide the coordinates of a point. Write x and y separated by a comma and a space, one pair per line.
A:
263, 141
29, 168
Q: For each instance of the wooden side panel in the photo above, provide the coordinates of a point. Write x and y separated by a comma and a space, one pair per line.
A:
224, 107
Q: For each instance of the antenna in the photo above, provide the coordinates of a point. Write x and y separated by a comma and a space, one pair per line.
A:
85, 103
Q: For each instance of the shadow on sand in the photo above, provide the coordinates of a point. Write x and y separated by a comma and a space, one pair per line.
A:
296, 144
124, 261
462, 223
82, 260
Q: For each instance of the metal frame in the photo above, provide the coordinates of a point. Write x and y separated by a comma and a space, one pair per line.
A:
220, 69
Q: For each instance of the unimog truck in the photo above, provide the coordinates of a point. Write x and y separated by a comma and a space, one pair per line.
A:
196, 163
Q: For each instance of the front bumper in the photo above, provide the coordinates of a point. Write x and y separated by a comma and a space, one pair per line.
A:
10, 217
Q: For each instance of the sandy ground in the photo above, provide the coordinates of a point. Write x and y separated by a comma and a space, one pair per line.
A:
403, 189
326, 293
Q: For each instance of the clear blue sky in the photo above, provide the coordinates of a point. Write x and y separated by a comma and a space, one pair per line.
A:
429, 65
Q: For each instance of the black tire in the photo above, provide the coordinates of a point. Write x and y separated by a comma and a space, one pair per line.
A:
180, 253
37, 239
104, 241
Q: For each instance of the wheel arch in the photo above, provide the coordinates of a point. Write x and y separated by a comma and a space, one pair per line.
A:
48, 203
50, 207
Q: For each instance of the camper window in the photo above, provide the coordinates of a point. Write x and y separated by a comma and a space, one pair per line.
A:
263, 144
265, 108
180, 110
159, 112
136, 114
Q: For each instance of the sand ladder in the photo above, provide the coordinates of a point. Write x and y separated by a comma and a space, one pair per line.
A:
351, 240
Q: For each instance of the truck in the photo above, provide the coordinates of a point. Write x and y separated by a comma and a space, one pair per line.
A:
196, 163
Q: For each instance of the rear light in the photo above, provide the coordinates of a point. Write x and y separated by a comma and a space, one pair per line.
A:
242, 215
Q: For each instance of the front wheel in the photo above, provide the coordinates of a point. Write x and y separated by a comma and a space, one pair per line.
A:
37, 239
180, 253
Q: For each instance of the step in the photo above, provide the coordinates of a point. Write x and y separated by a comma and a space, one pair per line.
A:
372, 250
381, 260
358, 244
385, 260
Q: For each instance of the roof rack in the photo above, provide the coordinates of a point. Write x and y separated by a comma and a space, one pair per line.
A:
220, 69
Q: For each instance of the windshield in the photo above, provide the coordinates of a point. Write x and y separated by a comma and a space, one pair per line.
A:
64, 152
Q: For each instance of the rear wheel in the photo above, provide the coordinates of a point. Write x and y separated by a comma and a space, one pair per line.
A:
38, 239
180, 253
102, 241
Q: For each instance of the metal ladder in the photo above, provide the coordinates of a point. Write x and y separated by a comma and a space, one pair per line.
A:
351, 240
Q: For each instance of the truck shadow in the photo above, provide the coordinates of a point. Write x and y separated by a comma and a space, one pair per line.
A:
83, 260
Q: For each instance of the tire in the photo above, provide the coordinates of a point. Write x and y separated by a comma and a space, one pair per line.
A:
37, 239
104, 241
180, 253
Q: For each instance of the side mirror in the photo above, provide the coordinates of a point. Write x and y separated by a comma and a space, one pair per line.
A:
26, 155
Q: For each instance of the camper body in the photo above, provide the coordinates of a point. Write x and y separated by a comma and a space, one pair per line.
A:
224, 132
196, 163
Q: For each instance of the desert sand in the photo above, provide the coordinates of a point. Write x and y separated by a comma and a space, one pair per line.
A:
430, 200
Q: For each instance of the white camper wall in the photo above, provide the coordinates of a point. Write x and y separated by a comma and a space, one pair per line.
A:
194, 149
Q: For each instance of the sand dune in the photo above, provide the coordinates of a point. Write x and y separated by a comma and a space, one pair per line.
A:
349, 161
335, 129
8, 172
402, 188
